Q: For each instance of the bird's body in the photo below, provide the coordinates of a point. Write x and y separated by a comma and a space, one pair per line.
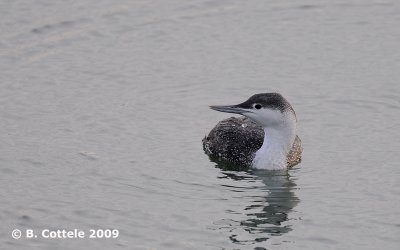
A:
245, 139
265, 139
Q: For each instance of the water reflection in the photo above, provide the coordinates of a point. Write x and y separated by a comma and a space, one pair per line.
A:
269, 199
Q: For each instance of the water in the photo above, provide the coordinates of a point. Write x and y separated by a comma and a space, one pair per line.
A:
104, 105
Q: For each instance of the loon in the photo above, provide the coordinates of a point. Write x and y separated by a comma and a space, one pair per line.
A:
265, 138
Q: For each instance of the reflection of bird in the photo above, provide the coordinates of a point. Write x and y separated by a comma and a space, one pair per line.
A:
267, 212
242, 141
279, 202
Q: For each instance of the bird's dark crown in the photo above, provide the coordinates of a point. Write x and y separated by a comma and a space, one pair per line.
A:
268, 100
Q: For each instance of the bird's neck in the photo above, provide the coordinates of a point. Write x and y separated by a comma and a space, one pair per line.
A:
276, 146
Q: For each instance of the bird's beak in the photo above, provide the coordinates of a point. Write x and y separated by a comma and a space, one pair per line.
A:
230, 109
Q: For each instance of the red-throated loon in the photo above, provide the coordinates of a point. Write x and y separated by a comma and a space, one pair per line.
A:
264, 139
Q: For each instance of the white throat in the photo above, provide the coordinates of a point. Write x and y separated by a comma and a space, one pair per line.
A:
278, 142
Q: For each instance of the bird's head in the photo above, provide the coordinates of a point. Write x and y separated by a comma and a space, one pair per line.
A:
269, 110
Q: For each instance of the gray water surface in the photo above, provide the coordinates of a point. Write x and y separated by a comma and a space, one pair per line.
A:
103, 105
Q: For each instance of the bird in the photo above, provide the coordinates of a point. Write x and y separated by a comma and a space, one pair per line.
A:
264, 138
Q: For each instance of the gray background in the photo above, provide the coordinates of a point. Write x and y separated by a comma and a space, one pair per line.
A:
103, 105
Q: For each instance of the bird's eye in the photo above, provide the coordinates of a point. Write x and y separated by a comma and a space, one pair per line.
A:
257, 106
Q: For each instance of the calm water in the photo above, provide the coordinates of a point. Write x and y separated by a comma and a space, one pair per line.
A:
103, 105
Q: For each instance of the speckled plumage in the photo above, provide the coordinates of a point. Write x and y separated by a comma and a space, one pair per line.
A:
245, 137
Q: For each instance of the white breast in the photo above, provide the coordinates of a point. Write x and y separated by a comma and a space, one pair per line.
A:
278, 140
